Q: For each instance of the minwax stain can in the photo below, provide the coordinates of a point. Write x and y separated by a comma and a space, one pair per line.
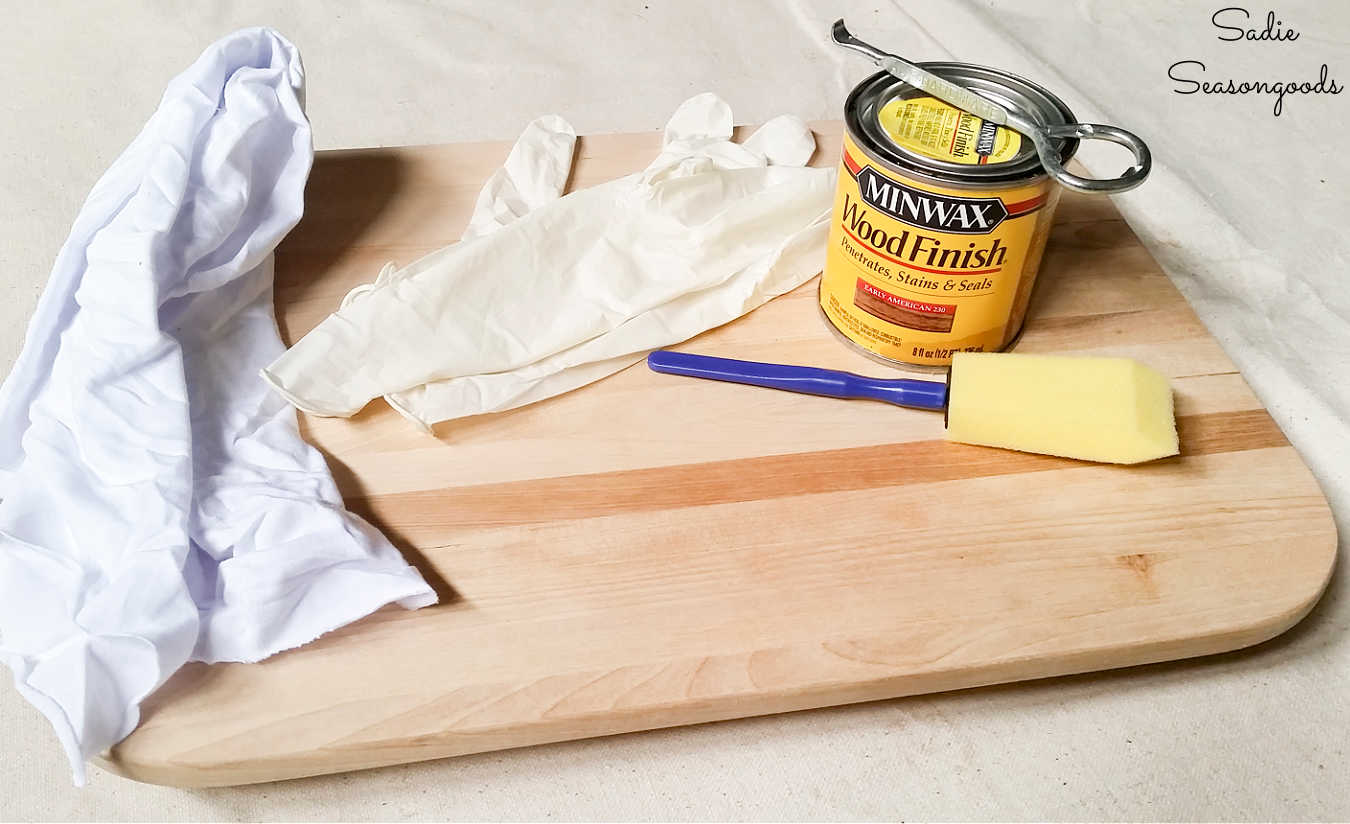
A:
940, 219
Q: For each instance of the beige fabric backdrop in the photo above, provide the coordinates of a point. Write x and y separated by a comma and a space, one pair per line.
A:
1246, 210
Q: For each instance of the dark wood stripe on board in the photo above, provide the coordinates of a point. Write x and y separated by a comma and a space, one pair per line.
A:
772, 476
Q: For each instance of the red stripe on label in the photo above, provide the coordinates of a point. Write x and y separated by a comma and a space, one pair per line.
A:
851, 164
1023, 206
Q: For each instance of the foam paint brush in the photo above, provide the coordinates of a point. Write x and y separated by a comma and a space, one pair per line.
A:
1112, 410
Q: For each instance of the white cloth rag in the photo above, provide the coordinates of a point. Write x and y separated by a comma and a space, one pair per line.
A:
548, 293
159, 505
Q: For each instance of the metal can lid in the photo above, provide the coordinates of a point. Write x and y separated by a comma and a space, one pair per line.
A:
919, 134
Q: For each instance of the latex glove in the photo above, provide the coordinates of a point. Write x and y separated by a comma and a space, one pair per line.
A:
158, 504
707, 231
682, 318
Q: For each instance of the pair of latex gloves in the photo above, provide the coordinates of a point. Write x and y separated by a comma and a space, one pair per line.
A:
546, 293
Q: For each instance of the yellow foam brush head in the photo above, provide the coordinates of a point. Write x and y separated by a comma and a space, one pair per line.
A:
1113, 410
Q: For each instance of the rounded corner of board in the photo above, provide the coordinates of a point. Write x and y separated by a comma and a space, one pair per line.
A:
1300, 603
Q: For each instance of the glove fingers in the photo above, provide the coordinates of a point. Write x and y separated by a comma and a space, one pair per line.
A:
700, 118
783, 141
534, 174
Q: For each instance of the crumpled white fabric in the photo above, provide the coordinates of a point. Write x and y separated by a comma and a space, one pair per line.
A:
158, 504
547, 293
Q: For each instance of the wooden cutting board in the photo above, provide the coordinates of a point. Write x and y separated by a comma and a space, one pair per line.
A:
653, 551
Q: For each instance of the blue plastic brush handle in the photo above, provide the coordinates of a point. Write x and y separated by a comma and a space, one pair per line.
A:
808, 380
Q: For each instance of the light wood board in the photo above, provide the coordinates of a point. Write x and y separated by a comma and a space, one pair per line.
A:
653, 551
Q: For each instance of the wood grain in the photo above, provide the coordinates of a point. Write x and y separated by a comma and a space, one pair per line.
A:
652, 551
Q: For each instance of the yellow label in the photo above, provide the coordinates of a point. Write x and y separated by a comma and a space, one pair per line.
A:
916, 272
933, 128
